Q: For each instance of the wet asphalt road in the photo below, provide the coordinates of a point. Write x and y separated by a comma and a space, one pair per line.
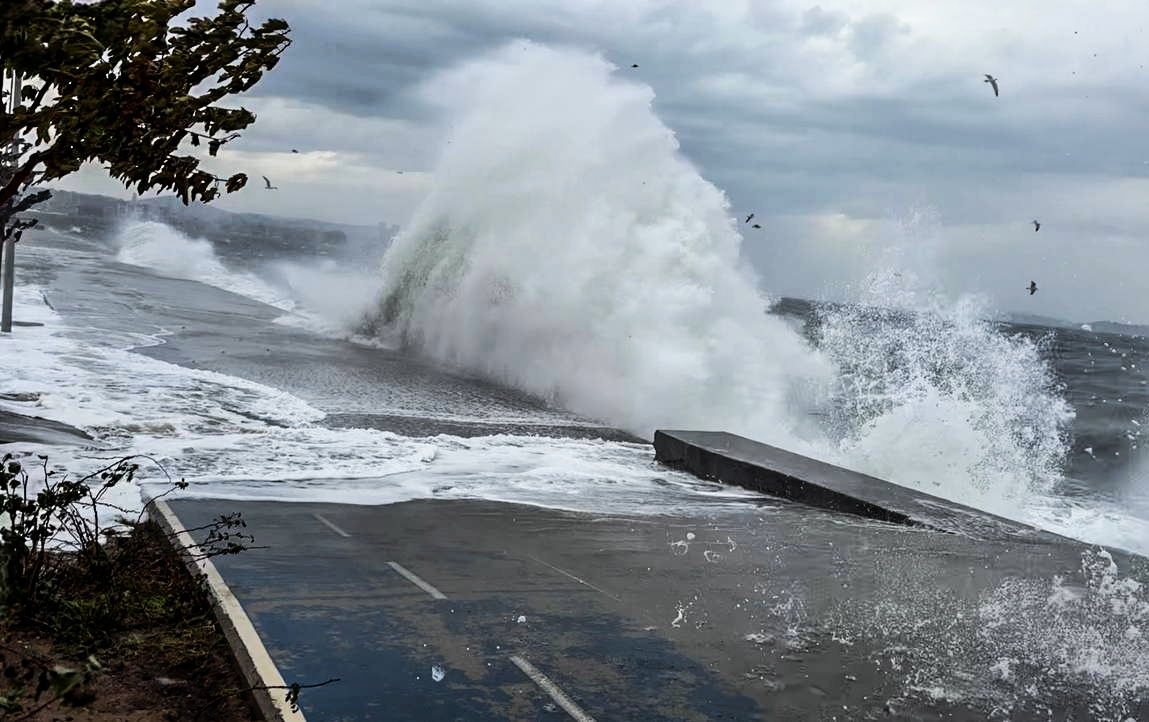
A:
775, 612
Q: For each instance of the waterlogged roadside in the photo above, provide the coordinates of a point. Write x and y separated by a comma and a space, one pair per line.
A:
1021, 644
90, 375
232, 438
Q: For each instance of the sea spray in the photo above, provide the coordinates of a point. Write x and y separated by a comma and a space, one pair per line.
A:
326, 296
167, 251
930, 394
331, 293
570, 250
940, 400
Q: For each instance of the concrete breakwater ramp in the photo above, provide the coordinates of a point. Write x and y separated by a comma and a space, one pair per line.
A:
848, 598
760, 467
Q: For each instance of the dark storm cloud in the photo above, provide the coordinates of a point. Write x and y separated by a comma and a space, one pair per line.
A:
826, 118
817, 21
870, 35
366, 61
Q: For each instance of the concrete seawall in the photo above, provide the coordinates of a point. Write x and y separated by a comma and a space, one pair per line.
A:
767, 469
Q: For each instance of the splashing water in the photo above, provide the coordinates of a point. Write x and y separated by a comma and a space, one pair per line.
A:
931, 395
323, 297
1093, 630
163, 249
569, 250
1023, 643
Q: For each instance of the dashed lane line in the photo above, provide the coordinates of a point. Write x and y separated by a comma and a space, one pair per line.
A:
414, 579
580, 580
552, 689
330, 525
540, 679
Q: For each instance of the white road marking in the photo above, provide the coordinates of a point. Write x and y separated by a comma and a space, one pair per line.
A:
577, 579
411, 577
552, 689
331, 526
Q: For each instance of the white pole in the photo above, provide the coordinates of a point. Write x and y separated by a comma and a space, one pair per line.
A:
8, 273
9, 281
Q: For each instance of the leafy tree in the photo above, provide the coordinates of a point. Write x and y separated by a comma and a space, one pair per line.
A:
118, 83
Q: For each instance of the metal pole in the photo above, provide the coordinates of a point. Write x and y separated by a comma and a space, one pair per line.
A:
9, 281
8, 272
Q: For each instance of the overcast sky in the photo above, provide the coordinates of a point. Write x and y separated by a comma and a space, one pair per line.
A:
835, 121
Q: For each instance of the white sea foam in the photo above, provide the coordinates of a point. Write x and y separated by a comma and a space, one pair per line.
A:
97, 386
372, 467
233, 438
1124, 525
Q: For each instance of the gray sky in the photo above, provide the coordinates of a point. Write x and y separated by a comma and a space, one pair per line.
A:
835, 121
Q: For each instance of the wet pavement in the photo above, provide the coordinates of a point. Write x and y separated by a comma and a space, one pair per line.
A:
775, 612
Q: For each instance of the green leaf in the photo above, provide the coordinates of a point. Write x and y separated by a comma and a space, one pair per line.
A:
129, 87
275, 25
236, 182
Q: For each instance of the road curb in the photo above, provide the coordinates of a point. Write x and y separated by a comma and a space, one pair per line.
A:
259, 671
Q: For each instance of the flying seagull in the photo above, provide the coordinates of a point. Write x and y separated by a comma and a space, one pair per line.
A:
635, 65
756, 226
270, 187
1032, 287
293, 150
749, 217
1036, 226
992, 81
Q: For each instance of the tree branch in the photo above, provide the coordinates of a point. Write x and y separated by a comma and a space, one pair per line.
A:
19, 178
34, 106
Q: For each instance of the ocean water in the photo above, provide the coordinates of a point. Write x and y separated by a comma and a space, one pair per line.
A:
546, 308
